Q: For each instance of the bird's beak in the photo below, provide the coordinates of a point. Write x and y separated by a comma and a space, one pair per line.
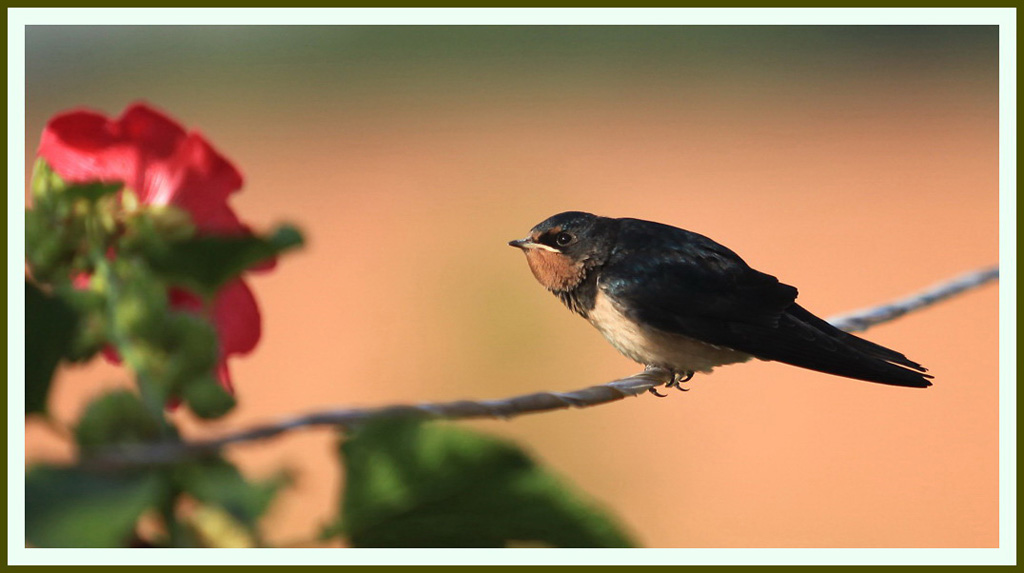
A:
528, 243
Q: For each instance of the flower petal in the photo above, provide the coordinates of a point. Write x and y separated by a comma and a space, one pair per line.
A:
150, 153
182, 299
237, 318
84, 146
155, 135
224, 377
197, 179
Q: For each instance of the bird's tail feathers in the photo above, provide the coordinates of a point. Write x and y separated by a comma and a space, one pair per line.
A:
805, 340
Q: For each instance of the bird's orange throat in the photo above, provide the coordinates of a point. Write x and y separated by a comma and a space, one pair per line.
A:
555, 271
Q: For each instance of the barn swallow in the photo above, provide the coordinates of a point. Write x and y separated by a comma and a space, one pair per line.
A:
670, 298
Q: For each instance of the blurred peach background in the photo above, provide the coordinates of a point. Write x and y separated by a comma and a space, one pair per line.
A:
858, 164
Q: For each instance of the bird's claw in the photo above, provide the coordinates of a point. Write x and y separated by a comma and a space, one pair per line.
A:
678, 378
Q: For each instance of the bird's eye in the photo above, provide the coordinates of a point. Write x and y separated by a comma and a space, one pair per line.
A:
563, 239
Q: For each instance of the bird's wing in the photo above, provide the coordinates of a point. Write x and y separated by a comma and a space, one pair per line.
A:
696, 288
700, 289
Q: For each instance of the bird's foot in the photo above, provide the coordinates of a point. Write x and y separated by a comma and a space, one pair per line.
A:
678, 378
654, 390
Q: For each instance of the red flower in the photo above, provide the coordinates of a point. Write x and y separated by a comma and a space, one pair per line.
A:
165, 165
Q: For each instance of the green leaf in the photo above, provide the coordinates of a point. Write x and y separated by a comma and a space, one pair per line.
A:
118, 417
49, 330
427, 485
66, 507
217, 482
205, 263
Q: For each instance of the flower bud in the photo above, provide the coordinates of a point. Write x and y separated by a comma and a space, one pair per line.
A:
141, 301
129, 200
192, 342
49, 249
45, 182
206, 398
91, 335
115, 418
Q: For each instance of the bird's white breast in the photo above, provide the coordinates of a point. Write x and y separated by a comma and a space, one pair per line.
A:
654, 347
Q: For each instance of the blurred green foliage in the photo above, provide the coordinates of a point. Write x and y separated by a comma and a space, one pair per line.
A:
204, 264
415, 484
116, 418
101, 265
48, 333
70, 507
217, 482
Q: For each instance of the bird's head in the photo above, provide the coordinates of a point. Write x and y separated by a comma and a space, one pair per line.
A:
561, 249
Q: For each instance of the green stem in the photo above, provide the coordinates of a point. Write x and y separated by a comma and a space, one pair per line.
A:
153, 400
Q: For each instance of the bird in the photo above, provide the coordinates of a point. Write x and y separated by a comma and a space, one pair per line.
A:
674, 299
